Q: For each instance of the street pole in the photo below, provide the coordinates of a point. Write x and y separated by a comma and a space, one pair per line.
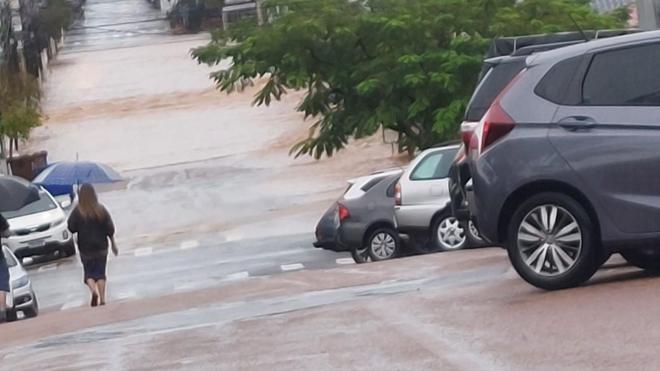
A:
649, 14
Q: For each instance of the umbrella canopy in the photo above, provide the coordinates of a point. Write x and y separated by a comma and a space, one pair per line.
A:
72, 173
16, 193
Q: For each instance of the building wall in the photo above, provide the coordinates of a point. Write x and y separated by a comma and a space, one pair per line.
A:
609, 5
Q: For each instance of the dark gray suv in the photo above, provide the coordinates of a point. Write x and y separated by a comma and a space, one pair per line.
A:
563, 168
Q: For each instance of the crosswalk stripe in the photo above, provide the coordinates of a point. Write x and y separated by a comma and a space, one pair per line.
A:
143, 251
185, 245
48, 267
291, 267
345, 261
72, 304
237, 276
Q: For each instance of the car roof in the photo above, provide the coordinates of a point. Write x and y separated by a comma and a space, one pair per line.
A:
582, 48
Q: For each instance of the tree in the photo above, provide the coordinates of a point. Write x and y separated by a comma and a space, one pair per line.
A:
19, 106
408, 66
546, 16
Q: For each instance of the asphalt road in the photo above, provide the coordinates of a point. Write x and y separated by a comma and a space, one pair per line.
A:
190, 265
463, 310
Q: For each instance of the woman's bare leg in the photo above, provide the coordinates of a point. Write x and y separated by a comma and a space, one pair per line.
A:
3, 304
101, 286
93, 290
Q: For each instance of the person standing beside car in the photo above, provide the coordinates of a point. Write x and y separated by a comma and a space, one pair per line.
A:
4, 272
93, 224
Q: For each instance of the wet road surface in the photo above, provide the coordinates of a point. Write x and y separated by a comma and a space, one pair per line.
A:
463, 310
188, 266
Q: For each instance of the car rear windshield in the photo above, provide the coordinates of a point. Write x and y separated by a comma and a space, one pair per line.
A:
495, 79
44, 203
372, 183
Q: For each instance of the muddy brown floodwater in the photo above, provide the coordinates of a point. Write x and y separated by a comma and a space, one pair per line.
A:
196, 160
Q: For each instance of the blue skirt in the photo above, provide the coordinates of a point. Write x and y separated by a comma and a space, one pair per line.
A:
4, 275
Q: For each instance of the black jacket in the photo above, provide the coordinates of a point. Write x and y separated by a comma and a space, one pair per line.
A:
93, 233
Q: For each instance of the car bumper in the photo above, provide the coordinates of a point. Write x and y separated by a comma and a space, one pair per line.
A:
41, 243
459, 175
23, 297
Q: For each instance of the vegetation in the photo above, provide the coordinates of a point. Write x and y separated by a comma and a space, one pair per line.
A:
408, 66
53, 18
19, 107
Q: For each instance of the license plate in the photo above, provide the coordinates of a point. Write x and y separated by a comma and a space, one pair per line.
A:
40, 243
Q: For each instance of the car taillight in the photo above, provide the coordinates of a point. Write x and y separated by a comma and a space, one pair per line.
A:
397, 194
343, 212
497, 124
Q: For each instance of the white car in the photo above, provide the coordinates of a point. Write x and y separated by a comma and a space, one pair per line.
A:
22, 297
422, 210
39, 228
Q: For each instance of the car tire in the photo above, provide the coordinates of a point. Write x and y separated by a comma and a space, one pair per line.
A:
446, 234
361, 254
647, 258
474, 238
552, 242
69, 249
383, 244
12, 315
33, 311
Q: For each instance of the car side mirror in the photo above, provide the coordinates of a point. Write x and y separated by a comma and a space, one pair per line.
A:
65, 204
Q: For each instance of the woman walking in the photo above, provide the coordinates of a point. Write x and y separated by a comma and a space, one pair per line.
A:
94, 226
4, 272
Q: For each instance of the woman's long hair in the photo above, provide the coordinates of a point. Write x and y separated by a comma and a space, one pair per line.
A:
88, 203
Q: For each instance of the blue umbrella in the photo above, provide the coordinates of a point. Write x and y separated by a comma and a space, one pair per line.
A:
73, 173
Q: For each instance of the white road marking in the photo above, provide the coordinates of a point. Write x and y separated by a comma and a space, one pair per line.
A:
127, 295
72, 304
292, 267
46, 268
237, 276
143, 251
189, 244
345, 261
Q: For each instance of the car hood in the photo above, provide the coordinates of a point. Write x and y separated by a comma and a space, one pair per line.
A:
16, 272
37, 219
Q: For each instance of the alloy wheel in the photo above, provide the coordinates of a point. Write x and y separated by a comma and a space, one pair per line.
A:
451, 234
383, 245
549, 240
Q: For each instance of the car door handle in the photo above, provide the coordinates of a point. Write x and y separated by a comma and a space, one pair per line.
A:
575, 123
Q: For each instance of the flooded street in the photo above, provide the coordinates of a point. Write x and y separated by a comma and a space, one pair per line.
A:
196, 161
211, 192
215, 224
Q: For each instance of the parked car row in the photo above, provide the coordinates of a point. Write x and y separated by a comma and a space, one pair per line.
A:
560, 156
397, 212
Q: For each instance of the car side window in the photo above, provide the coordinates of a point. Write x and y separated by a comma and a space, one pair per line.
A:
624, 77
434, 166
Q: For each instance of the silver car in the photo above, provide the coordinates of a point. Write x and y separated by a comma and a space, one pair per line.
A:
22, 297
422, 208
39, 228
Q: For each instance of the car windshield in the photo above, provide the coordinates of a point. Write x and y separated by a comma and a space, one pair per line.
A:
44, 203
9, 258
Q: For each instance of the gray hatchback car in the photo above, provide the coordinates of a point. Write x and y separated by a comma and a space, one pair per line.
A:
562, 168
